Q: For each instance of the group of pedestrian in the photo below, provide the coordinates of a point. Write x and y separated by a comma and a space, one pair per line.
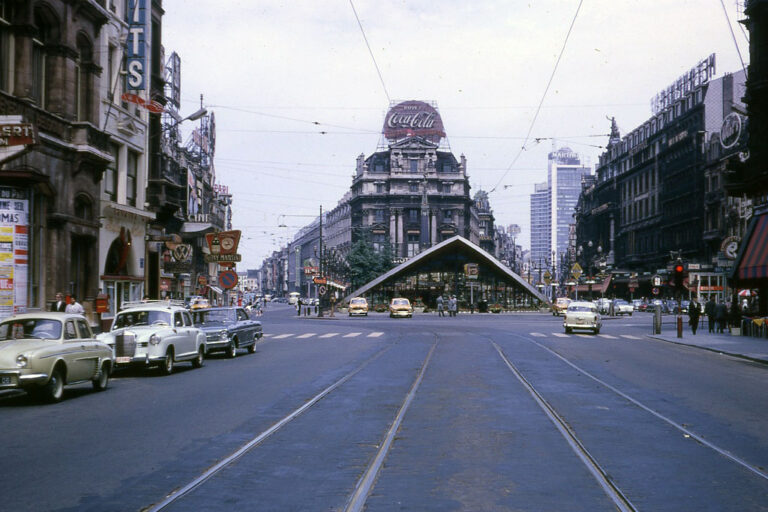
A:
450, 302
72, 306
717, 315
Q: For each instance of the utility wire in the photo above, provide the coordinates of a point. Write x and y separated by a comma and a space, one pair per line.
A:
733, 36
370, 51
543, 96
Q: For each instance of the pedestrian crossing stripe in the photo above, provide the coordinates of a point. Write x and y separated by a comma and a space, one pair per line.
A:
329, 335
538, 335
583, 336
281, 336
375, 334
629, 336
607, 336
352, 335
560, 335
307, 335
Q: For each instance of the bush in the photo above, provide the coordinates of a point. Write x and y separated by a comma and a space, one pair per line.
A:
381, 308
495, 308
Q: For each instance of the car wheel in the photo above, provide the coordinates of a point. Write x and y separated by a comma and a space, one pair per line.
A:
597, 331
252, 347
200, 359
102, 379
232, 348
568, 330
53, 391
166, 368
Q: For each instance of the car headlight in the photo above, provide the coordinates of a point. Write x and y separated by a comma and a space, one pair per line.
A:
22, 361
154, 339
223, 335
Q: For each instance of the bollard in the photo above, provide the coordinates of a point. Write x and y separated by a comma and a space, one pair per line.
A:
657, 319
679, 326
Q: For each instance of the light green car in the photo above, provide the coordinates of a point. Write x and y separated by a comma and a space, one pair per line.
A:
42, 352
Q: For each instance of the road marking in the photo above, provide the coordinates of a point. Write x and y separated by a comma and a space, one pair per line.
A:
307, 335
583, 336
375, 334
607, 336
629, 336
281, 336
352, 335
560, 335
329, 335
538, 335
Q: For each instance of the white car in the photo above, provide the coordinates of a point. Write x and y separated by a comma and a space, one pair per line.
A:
622, 307
582, 315
157, 333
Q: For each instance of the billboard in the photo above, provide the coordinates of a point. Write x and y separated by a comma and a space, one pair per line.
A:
136, 46
413, 118
14, 250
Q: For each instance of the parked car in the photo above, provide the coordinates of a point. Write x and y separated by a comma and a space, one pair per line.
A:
637, 305
560, 305
42, 352
622, 307
603, 305
582, 315
155, 333
400, 307
227, 329
684, 306
198, 303
358, 306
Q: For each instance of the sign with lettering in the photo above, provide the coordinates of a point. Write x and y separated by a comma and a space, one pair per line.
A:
136, 46
730, 131
17, 134
413, 118
698, 76
153, 106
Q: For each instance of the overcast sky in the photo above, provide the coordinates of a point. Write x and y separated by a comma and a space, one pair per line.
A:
297, 97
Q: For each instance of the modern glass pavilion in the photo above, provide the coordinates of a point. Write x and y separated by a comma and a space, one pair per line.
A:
453, 267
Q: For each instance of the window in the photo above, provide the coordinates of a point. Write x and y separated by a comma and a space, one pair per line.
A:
413, 215
447, 167
379, 241
69, 330
132, 172
380, 188
379, 215
445, 188
413, 186
448, 215
83, 208
111, 78
178, 320
38, 73
110, 176
84, 328
413, 245
414, 165
83, 61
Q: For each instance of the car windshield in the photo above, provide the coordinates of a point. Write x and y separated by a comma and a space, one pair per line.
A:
400, 302
357, 302
581, 309
216, 316
132, 318
43, 328
621, 302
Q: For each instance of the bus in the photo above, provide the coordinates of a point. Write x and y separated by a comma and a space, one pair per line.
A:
293, 298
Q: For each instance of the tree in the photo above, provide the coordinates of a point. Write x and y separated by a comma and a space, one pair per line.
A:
366, 264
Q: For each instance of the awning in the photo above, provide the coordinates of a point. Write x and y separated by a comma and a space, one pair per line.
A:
196, 227
216, 289
752, 261
596, 288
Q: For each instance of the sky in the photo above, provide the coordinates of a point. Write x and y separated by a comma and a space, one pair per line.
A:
297, 95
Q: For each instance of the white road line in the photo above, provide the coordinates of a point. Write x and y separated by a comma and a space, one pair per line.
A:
607, 336
583, 336
538, 335
560, 335
629, 336
329, 335
352, 335
307, 335
281, 336
375, 334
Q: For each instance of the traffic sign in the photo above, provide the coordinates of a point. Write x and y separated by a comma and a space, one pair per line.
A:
228, 279
576, 271
321, 289
655, 291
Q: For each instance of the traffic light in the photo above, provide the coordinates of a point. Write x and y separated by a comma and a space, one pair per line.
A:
678, 275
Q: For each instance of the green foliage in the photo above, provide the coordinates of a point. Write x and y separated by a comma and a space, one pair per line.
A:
365, 264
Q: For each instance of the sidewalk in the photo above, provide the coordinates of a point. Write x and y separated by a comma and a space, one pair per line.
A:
755, 349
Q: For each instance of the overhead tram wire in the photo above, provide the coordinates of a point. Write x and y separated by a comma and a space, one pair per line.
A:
381, 78
543, 96
733, 36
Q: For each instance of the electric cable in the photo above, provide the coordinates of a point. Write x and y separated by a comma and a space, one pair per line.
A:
383, 85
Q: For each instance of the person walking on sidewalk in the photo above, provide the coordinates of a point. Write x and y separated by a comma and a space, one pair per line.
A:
721, 314
440, 307
709, 310
694, 312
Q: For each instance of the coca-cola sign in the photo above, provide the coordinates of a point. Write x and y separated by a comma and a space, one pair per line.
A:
413, 118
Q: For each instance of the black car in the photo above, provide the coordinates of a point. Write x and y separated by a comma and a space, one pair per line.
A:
228, 329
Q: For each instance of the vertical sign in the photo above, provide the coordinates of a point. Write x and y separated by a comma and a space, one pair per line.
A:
14, 221
136, 45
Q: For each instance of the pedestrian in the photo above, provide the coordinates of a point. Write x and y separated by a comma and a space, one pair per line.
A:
721, 315
60, 304
440, 307
709, 310
452, 305
74, 306
694, 312
298, 306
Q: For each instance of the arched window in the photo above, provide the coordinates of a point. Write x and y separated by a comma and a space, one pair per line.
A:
83, 87
83, 207
46, 33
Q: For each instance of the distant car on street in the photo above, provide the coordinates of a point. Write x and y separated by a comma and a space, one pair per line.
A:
400, 306
358, 306
560, 305
603, 305
42, 352
582, 315
622, 307
228, 329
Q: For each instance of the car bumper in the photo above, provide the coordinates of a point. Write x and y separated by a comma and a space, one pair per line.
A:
358, 311
581, 325
14, 379
136, 360
400, 313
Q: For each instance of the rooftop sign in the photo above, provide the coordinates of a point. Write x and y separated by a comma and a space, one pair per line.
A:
413, 118
697, 76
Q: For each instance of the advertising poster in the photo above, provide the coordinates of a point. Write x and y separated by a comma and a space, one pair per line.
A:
14, 252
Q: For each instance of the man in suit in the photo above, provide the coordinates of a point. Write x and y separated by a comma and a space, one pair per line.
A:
60, 304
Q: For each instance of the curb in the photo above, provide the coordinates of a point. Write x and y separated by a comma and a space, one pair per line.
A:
715, 350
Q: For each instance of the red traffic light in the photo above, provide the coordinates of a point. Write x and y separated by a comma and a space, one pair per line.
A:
679, 269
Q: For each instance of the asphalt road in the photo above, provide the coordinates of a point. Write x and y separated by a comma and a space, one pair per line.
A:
477, 412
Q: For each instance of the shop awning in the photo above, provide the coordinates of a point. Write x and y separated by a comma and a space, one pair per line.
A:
196, 227
752, 261
216, 289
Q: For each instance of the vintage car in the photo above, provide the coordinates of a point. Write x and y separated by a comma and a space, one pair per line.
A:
560, 305
358, 306
227, 329
155, 333
622, 307
198, 303
42, 352
400, 307
582, 315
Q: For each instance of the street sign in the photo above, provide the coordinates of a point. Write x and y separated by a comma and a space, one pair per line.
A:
655, 291
321, 290
319, 280
576, 271
227, 279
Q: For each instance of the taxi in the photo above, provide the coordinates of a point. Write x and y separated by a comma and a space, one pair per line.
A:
358, 306
400, 306
582, 315
199, 303
560, 306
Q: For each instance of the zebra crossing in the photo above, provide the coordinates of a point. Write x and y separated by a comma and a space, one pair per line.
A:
314, 335
582, 335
